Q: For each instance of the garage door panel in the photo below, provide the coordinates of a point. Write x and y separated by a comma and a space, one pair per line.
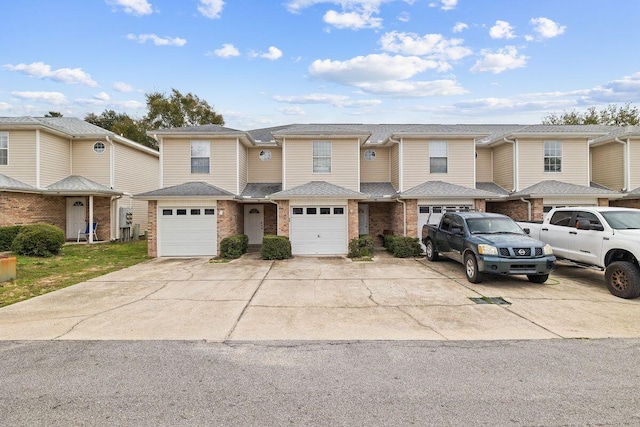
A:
319, 234
193, 233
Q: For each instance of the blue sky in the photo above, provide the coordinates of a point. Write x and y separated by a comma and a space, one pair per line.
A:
264, 63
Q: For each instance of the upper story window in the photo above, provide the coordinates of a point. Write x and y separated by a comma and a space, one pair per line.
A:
200, 156
438, 157
99, 147
369, 155
553, 156
4, 148
321, 156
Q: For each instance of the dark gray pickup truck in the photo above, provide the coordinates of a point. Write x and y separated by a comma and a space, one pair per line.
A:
488, 243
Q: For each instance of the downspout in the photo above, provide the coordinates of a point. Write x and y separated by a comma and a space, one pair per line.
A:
37, 158
284, 164
113, 233
625, 163
359, 176
400, 163
160, 168
237, 165
515, 162
475, 160
277, 215
404, 217
528, 207
112, 157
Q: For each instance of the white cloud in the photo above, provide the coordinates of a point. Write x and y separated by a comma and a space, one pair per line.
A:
273, 54
375, 67
107, 102
433, 46
404, 17
211, 8
341, 101
352, 20
133, 7
501, 30
123, 87
414, 89
41, 70
460, 27
546, 28
102, 96
444, 4
226, 51
158, 41
291, 111
55, 98
296, 6
4, 106
499, 61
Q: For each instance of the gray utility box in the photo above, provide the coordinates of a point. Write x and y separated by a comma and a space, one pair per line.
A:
125, 217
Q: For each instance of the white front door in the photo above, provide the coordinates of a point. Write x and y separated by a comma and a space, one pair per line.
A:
254, 223
363, 219
76, 216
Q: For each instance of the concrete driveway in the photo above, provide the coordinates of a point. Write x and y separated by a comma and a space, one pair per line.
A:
320, 299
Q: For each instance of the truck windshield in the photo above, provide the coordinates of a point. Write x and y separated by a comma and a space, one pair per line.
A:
622, 220
493, 226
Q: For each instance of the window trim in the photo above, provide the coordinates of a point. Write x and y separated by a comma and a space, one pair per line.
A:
315, 156
432, 151
547, 166
192, 157
6, 148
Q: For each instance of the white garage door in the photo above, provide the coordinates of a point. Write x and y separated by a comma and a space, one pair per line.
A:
187, 231
318, 230
432, 214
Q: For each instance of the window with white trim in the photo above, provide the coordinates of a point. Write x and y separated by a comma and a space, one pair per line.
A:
4, 148
200, 156
438, 162
321, 156
553, 156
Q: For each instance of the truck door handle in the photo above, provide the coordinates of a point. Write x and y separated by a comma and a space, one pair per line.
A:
573, 232
544, 229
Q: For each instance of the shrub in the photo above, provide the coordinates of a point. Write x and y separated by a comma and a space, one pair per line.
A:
7, 234
234, 246
41, 240
275, 247
406, 247
388, 241
361, 247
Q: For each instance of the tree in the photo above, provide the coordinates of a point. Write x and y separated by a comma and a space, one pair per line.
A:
53, 114
178, 110
123, 125
612, 115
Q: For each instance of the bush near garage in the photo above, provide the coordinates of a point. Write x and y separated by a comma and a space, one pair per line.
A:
275, 247
403, 247
41, 240
234, 246
7, 235
361, 246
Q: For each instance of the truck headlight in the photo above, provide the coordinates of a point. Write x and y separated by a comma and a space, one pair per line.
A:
547, 249
487, 250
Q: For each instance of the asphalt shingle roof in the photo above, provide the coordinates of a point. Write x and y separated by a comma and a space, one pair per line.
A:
558, 188
81, 185
318, 189
209, 129
69, 125
378, 189
444, 189
187, 190
257, 190
492, 188
8, 183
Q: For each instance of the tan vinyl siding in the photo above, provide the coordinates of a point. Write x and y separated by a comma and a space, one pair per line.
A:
376, 170
395, 165
177, 163
484, 167
55, 161
460, 160
265, 171
135, 172
243, 172
606, 165
634, 161
575, 163
503, 166
344, 161
90, 164
22, 156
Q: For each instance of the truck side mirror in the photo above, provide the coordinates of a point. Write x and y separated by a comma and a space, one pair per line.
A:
527, 230
456, 230
583, 224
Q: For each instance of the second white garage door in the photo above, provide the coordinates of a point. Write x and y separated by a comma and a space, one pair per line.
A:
187, 231
318, 230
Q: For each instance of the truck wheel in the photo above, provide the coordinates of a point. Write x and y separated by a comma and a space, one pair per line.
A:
623, 279
471, 268
430, 250
537, 278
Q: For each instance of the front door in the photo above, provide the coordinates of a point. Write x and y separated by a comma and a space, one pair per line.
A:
76, 216
254, 223
363, 219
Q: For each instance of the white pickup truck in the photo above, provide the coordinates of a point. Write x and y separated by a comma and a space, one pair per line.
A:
606, 238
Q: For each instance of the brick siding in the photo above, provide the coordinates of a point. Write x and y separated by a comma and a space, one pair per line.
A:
517, 209
270, 219
152, 228
230, 219
283, 218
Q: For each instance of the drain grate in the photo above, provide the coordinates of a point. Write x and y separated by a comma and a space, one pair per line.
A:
490, 300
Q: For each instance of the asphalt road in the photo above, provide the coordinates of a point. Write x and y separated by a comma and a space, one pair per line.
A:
187, 383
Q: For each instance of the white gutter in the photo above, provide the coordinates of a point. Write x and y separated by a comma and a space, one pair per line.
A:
627, 178
112, 156
38, 158
528, 207
515, 162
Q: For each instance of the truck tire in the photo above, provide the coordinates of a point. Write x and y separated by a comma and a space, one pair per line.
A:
537, 278
471, 268
431, 251
623, 279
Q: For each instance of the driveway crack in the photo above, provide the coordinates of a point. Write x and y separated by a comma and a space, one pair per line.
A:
422, 325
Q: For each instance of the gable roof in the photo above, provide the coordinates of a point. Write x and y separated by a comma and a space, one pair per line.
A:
76, 184
551, 188
492, 187
318, 190
443, 189
8, 183
188, 190
256, 190
377, 190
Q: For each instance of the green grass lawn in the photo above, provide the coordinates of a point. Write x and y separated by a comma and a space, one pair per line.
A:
75, 264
